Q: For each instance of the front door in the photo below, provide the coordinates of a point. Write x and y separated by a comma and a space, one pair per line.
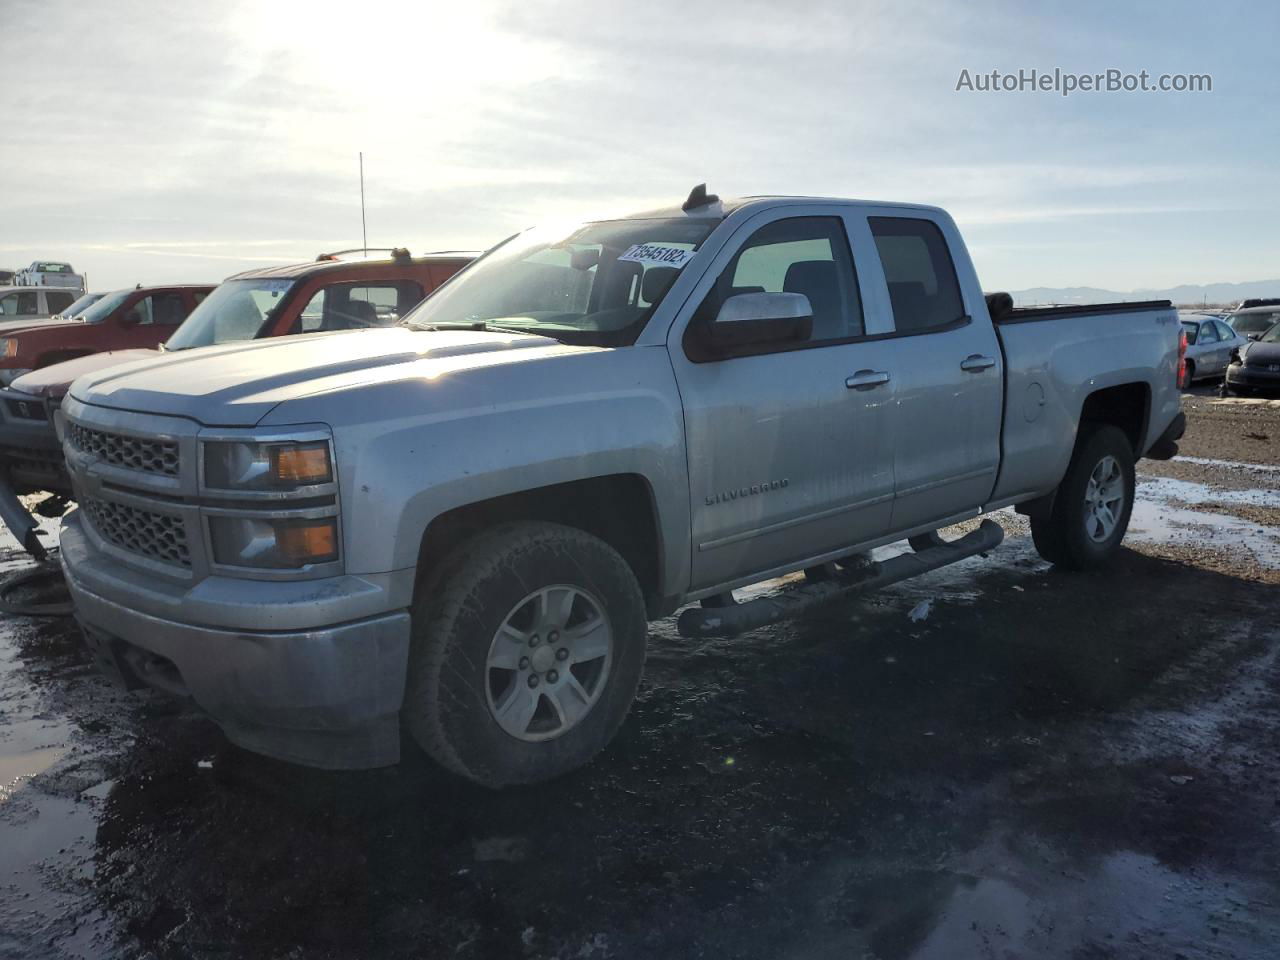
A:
152, 318
789, 447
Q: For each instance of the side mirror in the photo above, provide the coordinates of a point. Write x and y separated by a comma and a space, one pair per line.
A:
1254, 336
749, 319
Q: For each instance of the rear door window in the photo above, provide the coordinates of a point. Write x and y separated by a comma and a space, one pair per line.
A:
923, 288
58, 301
1208, 333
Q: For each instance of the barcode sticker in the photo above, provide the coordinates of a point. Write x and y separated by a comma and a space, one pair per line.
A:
654, 255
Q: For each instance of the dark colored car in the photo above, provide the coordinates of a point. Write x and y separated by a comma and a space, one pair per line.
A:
324, 294
1253, 322
1258, 367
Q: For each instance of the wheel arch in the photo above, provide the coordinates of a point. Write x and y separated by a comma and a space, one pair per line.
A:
620, 509
1126, 405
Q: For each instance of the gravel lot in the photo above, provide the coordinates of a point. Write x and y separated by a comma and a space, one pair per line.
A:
1045, 765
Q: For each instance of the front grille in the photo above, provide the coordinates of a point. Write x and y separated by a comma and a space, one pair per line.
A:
47, 465
153, 535
148, 456
27, 410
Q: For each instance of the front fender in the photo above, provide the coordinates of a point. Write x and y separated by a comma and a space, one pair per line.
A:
472, 435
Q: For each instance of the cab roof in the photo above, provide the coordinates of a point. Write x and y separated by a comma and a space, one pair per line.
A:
721, 207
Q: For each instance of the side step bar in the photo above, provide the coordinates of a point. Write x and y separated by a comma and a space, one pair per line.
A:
698, 622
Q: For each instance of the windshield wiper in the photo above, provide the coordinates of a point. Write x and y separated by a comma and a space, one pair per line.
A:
482, 325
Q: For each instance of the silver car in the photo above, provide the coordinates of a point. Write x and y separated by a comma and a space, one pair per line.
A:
1210, 344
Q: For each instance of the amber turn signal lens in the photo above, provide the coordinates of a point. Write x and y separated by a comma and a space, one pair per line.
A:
301, 464
308, 541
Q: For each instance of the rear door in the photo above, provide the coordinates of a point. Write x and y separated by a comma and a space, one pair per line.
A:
789, 446
948, 377
56, 301
1211, 351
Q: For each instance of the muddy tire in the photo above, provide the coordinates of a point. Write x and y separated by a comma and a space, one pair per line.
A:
1092, 505
526, 654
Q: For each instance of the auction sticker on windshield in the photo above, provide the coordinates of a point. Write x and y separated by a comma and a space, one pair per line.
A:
655, 255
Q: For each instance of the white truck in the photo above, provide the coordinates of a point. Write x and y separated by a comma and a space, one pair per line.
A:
462, 525
50, 273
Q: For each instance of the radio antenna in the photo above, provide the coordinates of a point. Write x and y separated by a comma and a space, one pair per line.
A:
364, 230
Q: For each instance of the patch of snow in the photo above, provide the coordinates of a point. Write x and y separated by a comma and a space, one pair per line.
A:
920, 611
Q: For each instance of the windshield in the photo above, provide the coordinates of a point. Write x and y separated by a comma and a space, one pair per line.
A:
596, 283
81, 305
1272, 335
99, 311
1247, 323
1191, 329
236, 310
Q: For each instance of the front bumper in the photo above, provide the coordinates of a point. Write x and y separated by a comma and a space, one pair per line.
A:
326, 696
1242, 375
30, 461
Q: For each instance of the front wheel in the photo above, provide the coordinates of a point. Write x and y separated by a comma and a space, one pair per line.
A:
526, 656
1092, 505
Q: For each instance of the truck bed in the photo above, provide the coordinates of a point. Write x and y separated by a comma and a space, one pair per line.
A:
1056, 357
1061, 312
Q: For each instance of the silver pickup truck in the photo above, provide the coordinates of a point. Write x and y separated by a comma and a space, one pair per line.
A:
462, 525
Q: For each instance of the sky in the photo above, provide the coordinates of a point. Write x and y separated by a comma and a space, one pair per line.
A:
159, 142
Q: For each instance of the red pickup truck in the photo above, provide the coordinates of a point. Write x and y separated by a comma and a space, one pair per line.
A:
136, 317
324, 294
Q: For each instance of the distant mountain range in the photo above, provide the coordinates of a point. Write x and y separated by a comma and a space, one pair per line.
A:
1188, 294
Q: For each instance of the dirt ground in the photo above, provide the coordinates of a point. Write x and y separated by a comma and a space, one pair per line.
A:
997, 760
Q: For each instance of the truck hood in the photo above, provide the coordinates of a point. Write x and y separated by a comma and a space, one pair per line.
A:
9, 327
237, 384
53, 381
1257, 354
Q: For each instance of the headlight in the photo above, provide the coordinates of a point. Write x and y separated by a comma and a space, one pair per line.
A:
277, 544
266, 466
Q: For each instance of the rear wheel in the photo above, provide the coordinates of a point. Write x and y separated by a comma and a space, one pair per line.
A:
526, 658
1092, 505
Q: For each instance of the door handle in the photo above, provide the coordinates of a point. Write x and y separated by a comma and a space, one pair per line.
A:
865, 379
976, 363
